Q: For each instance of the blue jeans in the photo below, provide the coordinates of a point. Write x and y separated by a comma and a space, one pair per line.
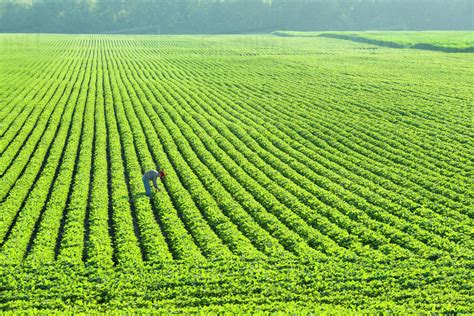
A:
146, 183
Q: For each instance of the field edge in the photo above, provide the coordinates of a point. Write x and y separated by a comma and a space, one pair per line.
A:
257, 286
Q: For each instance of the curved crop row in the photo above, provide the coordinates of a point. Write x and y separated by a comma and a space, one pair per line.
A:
270, 155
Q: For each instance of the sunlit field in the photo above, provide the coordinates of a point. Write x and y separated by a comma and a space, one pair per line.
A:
303, 174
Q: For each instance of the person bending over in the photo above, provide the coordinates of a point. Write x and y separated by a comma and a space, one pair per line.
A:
152, 175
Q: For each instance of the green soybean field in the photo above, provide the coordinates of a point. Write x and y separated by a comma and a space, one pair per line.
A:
304, 175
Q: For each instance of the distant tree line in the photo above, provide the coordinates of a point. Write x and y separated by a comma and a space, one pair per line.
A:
231, 16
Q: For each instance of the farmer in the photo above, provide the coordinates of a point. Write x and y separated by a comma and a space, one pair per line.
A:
152, 175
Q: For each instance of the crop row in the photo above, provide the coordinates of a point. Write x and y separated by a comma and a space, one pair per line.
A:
280, 115
256, 168
262, 210
20, 227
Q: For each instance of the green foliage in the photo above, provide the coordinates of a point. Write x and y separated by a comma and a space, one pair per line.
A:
303, 175
238, 286
230, 16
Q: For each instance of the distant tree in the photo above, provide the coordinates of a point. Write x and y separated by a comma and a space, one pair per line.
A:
15, 17
230, 16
